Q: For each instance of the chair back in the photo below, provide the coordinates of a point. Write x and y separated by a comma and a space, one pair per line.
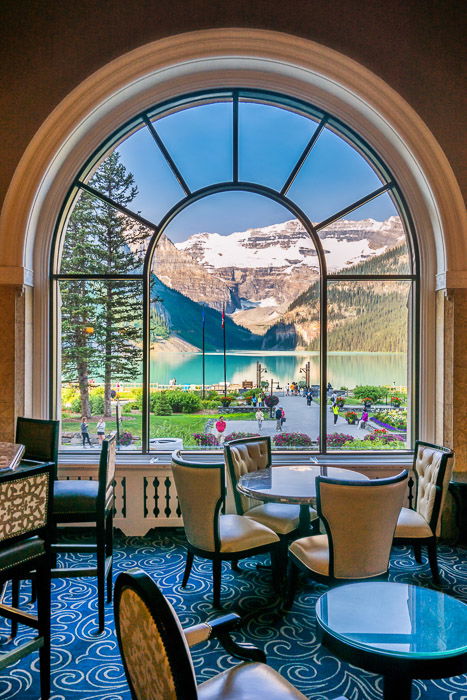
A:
360, 518
25, 503
432, 476
243, 456
40, 437
201, 494
155, 655
106, 473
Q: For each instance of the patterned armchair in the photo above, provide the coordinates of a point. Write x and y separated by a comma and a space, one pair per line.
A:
359, 518
156, 656
25, 547
210, 534
421, 523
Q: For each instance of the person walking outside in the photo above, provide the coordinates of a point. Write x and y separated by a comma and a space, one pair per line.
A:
259, 417
85, 432
364, 419
282, 417
220, 427
278, 416
335, 410
100, 430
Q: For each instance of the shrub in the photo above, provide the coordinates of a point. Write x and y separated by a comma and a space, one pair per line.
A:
96, 403
338, 439
374, 445
161, 406
206, 439
183, 401
291, 440
76, 405
226, 400
236, 435
209, 403
126, 438
369, 392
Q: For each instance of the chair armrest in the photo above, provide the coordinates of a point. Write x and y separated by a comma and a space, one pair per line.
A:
220, 629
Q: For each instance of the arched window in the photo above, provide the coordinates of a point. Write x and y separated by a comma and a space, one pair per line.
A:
234, 251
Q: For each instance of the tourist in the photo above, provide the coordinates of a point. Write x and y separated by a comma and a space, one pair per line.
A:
335, 410
287, 389
364, 419
309, 398
220, 427
333, 398
85, 432
278, 416
282, 417
100, 429
259, 417
254, 400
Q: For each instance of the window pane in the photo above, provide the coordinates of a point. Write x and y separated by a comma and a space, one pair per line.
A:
370, 240
333, 176
100, 240
255, 275
199, 139
155, 188
271, 140
368, 338
101, 352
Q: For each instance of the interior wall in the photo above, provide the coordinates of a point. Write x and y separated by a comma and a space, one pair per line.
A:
48, 47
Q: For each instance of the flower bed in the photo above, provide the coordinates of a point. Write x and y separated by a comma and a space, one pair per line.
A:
391, 420
292, 440
338, 439
206, 439
236, 435
383, 435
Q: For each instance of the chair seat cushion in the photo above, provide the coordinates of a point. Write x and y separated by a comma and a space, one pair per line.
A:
411, 524
75, 496
21, 552
280, 517
313, 552
248, 681
239, 533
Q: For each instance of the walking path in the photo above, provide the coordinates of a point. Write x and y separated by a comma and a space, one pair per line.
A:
300, 418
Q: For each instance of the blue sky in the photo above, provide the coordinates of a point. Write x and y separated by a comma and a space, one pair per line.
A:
271, 139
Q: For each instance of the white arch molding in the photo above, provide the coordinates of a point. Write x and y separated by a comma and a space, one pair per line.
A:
227, 58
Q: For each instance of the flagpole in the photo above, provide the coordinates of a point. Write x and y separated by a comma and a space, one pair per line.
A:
204, 357
225, 358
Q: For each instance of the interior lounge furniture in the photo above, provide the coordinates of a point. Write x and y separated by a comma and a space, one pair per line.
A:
420, 524
89, 503
248, 455
40, 438
210, 533
24, 548
359, 518
397, 630
156, 655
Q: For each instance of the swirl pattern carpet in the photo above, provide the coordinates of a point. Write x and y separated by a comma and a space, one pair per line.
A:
88, 667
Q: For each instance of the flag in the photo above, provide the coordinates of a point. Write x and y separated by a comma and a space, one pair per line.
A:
223, 315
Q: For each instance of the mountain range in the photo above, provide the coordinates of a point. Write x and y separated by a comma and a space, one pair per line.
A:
267, 279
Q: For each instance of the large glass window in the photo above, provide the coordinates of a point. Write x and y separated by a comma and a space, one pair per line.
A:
240, 255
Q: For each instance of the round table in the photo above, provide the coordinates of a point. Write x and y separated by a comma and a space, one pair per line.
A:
292, 484
396, 629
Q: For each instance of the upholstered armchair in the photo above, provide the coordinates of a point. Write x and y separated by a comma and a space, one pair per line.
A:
360, 519
420, 525
156, 656
247, 455
210, 533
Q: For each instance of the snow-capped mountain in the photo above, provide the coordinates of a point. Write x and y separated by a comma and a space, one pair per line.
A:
288, 246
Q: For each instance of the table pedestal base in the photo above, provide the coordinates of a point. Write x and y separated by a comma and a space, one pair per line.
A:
397, 688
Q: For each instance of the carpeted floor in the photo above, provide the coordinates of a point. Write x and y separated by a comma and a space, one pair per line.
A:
88, 667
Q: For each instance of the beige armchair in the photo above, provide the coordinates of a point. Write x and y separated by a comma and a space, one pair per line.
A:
421, 523
156, 656
211, 534
359, 518
247, 455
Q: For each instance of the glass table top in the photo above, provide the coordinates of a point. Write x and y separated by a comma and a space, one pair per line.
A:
291, 484
396, 619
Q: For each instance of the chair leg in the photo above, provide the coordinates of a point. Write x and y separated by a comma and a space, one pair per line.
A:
417, 550
235, 565
216, 582
43, 614
188, 565
100, 576
433, 559
109, 554
15, 584
292, 577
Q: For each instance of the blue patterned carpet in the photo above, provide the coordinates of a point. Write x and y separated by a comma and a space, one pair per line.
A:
88, 667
